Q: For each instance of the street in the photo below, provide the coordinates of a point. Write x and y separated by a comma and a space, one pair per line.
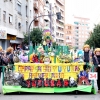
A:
49, 96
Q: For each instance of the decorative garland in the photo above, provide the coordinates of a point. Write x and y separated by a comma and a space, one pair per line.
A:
64, 58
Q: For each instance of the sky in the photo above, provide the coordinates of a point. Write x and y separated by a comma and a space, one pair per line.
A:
83, 8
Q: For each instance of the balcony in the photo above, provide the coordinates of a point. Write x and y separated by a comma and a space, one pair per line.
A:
47, 8
47, 24
36, 15
35, 4
47, 18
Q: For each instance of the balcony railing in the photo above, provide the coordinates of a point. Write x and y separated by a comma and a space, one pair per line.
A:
36, 4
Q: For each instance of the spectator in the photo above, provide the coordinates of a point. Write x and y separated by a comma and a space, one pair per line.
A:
9, 53
96, 62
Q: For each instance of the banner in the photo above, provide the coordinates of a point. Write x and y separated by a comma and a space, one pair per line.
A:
53, 71
3, 33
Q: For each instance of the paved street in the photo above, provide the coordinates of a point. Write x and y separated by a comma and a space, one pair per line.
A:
49, 96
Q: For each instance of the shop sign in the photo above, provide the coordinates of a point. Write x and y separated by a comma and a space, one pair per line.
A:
3, 33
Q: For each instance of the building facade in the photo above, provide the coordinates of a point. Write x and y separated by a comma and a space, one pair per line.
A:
38, 10
58, 25
46, 7
15, 16
69, 30
81, 31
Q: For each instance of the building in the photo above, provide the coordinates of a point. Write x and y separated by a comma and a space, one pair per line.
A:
69, 30
58, 25
81, 31
38, 11
46, 7
15, 16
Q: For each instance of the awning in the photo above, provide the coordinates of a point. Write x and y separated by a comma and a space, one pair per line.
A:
11, 37
17, 41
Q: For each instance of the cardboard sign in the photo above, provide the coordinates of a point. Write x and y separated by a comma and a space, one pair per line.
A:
92, 75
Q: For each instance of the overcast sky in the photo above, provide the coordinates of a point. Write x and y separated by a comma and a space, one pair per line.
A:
83, 8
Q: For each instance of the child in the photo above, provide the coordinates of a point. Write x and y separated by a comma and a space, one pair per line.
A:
96, 62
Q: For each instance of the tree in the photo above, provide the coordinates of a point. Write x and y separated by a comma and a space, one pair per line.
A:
94, 40
35, 36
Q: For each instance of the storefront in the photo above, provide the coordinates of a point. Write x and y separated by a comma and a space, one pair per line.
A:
15, 43
5, 37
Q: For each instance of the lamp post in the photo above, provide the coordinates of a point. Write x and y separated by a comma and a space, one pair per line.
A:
58, 14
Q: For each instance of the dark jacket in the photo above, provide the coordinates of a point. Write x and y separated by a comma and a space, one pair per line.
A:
95, 62
87, 56
11, 57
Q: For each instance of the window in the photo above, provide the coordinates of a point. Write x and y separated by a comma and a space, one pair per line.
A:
30, 13
61, 35
16, 21
10, 0
57, 40
26, 11
10, 18
26, 26
4, 16
19, 8
76, 27
69, 27
67, 37
57, 34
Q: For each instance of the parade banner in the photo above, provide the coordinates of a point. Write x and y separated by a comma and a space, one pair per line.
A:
52, 71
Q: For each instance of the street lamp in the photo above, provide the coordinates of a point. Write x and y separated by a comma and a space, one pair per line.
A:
58, 14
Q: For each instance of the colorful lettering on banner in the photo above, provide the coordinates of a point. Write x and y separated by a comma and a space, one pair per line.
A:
48, 71
33, 83
40, 82
59, 83
66, 83
68, 68
39, 69
76, 68
30, 75
27, 68
59, 69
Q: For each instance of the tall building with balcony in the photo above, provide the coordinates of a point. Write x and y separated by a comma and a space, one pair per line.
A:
81, 31
47, 11
69, 30
15, 16
58, 25
38, 11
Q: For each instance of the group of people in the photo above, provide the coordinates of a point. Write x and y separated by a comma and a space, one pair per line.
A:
11, 56
94, 58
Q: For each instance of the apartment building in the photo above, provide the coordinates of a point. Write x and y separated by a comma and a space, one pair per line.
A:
15, 16
69, 30
58, 25
38, 11
81, 31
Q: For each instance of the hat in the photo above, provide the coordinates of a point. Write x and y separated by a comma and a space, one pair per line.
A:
96, 50
86, 46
